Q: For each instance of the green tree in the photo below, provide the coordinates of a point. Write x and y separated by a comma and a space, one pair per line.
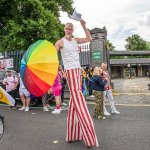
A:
25, 21
109, 46
135, 42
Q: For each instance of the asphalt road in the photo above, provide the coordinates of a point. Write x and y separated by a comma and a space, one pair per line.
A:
38, 130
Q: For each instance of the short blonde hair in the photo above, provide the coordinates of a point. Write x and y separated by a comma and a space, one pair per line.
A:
96, 71
82, 70
69, 24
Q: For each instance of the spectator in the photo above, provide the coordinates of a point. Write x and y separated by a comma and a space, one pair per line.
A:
98, 88
25, 96
89, 76
46, 106
11, 83
56, 91
108, 91
83, 82
63, 81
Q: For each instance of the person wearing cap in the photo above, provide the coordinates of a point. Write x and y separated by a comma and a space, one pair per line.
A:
79, 123
11, 83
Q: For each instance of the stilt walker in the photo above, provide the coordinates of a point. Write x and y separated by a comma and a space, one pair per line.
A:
79, 123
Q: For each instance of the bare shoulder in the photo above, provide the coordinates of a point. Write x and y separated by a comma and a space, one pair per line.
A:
59, 44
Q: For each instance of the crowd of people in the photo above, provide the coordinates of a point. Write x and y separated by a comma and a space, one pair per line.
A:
13, 84
95, 82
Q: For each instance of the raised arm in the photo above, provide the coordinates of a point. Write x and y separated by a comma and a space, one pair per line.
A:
88, 37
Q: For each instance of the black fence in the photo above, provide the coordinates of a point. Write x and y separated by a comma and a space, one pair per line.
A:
15, 55
84, 50
85, 54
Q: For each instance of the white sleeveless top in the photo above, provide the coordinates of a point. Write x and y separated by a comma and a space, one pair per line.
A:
70, 54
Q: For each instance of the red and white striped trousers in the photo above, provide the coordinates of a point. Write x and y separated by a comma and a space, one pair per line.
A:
79, 123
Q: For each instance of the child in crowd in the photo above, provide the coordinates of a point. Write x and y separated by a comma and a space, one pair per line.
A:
98, 88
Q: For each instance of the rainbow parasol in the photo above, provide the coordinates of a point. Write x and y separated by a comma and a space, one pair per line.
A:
39, 67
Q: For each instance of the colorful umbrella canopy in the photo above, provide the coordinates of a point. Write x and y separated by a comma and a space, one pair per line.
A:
39, 67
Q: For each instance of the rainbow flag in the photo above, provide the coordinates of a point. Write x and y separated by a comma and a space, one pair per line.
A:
6, 98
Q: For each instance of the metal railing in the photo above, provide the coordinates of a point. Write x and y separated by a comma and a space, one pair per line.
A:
84, 50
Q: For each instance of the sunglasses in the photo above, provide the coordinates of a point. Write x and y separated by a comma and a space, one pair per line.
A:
68, 29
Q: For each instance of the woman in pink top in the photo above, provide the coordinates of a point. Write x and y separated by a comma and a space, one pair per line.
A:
56, 91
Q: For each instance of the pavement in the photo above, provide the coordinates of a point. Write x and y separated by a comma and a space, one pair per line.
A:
38, 130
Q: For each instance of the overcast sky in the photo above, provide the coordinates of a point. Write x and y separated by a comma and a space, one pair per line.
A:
122, 18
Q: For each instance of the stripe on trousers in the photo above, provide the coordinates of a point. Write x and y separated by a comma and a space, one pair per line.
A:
69, 121
76, 109
79, 123
73, 124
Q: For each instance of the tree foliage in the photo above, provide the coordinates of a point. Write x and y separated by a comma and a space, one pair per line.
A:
135, 42
25, 21
109, 46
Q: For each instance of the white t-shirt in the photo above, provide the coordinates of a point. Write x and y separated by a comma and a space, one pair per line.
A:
70, 54
12, 80
21, 84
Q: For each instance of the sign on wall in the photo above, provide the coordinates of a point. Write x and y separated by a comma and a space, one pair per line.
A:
97, 55
6, 63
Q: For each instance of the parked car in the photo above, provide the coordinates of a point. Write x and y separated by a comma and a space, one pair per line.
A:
35, 101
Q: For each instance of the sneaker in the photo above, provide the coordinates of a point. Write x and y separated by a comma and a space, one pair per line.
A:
92, 96
27, 109
11, 107
63, 104
56, 111
14, 108
22, 108
116, 112
49, 107
45, 108
103, 118
106, 113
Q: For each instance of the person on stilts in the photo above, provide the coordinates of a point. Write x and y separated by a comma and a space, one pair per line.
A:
79, 123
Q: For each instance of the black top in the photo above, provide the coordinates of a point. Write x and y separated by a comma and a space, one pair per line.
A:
98, 83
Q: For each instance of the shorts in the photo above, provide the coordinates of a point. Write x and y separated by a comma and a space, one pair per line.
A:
24, 92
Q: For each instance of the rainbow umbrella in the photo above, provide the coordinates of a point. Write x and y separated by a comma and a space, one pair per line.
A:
39, 67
